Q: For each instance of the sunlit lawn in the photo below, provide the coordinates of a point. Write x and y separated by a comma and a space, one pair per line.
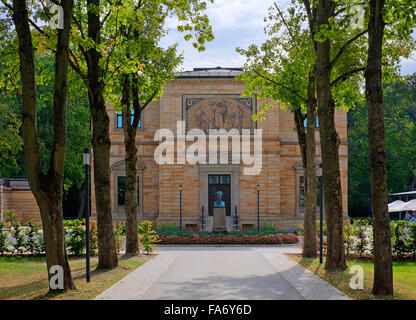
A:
404, 277
26, 277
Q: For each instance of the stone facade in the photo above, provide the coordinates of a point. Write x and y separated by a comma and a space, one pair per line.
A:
15, 194
280, 179
159, 185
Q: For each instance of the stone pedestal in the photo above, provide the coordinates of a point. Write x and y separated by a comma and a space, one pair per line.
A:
219, 220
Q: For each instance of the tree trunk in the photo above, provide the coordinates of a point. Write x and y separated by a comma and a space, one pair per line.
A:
53, 231
309, 241
47, 189
383, 270
335, 258
300, 130
132, 241
107, 254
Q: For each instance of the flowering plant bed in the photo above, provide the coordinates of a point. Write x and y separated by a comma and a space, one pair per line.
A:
229, 239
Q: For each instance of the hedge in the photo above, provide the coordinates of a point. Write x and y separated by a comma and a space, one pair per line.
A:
224, 239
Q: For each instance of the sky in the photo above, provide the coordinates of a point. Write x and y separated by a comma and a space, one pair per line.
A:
235, 23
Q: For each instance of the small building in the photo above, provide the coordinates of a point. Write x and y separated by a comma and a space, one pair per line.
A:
15, 194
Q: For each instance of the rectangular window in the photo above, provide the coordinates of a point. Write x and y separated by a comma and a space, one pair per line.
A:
121, 183
305, 122
302, 191
119, 120
225, 179
213, 179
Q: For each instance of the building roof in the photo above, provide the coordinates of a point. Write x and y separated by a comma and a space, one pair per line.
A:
16, 184
408, 193
217, 72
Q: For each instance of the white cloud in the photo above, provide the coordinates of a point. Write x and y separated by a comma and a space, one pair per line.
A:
235, 23
237, 14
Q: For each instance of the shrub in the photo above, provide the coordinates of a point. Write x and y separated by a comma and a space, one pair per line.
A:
412, 238
18, 233
148, 236
230, 239
362, 236
119, 234
348, 238
93, 237
10, 215
3, 239
398, 237
168, 226
75, 236
34, 245
269, 226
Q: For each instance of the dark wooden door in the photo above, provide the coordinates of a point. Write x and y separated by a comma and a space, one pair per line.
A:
219, 182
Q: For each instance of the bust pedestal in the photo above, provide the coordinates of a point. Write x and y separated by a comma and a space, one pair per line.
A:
219, 220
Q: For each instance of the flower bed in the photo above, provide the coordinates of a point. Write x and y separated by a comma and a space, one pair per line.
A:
229, 239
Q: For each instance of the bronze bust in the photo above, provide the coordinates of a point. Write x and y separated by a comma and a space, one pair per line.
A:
219, 203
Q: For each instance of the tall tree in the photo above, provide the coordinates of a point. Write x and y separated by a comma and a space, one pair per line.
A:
283, 68
337, 49
145, 68
47, 188
383, 269
92, 59
335, 258
383, 265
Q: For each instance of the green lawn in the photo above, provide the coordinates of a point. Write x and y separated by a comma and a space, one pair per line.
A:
26, 277
404, 277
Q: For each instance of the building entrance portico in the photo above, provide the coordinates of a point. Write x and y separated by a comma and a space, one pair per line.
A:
223, 178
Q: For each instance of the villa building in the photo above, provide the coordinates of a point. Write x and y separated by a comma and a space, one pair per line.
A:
211, 99
169, 193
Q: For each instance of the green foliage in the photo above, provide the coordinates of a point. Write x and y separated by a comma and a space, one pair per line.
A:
399, 237
78, 116
3, 238
269, 226
34, 236
361, 233
399, 122
148, 236
348, 238
120, 236
10, 140
323, 228
10, 215
168, 226
282, 68
19, 235
75, 237
412, 238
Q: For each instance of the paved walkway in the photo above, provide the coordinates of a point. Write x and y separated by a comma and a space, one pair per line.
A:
211, 273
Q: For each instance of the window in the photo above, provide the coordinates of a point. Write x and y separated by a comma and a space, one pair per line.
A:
121, 197
305, 122
119, 120
302, 192
121, 191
